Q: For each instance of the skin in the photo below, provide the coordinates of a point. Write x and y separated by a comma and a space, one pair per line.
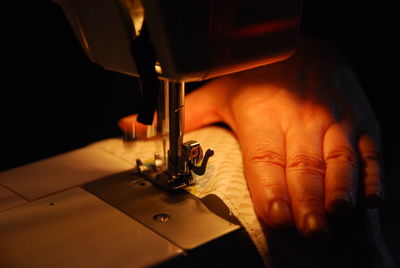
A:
309, 139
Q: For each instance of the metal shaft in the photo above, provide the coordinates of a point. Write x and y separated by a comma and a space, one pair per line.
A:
176, 126
163, 117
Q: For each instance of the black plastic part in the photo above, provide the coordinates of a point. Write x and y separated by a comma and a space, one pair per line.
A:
144, 56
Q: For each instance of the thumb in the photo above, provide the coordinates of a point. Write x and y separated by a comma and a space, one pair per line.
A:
133, 129
204, 106
201, 108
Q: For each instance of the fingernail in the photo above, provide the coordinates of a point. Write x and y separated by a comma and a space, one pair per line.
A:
342, 205
316, 227
280, 215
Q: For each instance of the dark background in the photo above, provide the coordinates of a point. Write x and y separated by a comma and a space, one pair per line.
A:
53, 99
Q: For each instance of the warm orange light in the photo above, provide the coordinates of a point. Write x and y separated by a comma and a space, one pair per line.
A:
266, 28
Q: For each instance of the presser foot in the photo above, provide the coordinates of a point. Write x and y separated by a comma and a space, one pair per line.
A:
162, 177
173, 178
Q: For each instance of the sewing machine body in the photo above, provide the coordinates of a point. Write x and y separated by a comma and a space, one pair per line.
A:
84, 208
56, 212
190, 41
177, 42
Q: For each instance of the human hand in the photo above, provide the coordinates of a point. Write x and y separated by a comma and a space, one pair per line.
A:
308, 136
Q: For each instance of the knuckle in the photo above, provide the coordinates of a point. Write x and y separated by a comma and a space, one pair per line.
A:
370, 147
343, 155
306, 163
371, 155
268, 157
273, 191
309, 200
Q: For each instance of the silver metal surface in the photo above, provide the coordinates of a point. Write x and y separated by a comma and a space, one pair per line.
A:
76, 229
163, 117
190, 223
9, 199
176, 127
174, 170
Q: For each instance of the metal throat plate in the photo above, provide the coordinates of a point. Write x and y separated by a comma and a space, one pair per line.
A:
178, 216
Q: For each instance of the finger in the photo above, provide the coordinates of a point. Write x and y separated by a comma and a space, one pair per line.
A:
305, 170
207, 105
130, 126
262, 145
342, 170
134, 129
371, 157
201, 109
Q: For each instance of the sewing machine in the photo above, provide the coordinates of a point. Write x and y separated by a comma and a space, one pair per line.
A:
176, 42
165, 44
